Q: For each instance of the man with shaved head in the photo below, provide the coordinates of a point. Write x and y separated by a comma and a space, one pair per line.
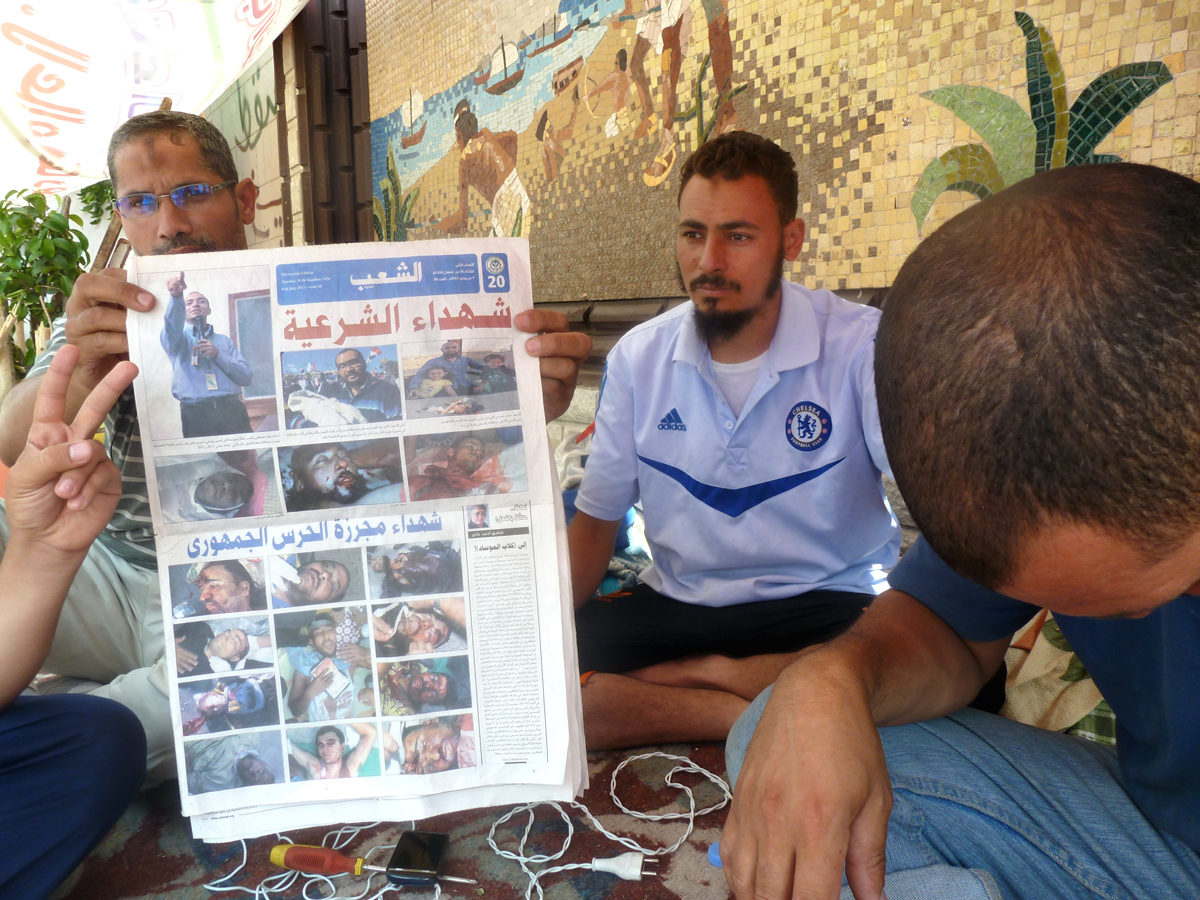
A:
1039, 395
208, 370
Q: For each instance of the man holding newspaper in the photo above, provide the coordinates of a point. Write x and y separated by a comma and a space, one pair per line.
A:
178, 192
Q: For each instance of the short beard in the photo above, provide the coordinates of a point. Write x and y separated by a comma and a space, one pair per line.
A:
719, 326
349, 493
185, 242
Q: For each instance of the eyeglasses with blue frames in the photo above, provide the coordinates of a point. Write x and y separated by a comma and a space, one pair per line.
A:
189, 196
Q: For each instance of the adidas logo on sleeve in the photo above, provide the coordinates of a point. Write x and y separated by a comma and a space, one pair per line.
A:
672, 422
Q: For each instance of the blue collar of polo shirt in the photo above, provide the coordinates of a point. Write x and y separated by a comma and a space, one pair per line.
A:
796, 342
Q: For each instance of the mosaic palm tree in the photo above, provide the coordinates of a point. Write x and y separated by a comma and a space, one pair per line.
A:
393, 210
1050, 135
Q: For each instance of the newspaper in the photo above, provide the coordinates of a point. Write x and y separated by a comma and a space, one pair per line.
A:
360, 537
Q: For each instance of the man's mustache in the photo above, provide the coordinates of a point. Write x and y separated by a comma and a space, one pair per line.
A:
714, 281
184, 242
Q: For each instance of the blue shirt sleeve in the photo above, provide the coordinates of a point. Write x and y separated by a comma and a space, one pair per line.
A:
172, 337
972, 611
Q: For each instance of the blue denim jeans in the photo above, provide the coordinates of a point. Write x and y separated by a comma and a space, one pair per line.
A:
979, 799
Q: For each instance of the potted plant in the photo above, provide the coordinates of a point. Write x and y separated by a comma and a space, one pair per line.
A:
41, 255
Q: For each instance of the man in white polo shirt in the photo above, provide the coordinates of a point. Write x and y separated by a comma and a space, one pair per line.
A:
745, 422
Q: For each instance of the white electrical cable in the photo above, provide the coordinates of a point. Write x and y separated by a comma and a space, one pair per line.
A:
337, 840
525, 861
285, 882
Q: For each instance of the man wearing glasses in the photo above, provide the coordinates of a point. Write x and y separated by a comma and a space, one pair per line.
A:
376, 398
178, 192
207, 369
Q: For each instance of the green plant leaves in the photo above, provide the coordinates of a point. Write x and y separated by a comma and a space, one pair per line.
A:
1106, 101
406, 208
1060, 136
1047, 88
377, 216
41, 255
391, 208
999, 120
969, 167
98, 200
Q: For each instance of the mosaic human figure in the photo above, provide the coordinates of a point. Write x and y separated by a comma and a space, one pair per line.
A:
487, 162
617, 84
554, 139
667, 29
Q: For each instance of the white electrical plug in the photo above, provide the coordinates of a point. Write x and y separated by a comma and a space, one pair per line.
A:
630, 866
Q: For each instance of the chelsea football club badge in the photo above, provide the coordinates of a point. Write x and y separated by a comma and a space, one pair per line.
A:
808, 426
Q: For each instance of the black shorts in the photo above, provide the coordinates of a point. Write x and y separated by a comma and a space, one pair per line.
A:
627, 631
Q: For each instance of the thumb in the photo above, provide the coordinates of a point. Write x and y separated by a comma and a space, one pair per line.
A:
866, 855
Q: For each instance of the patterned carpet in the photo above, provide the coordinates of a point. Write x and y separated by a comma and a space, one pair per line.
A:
150, 854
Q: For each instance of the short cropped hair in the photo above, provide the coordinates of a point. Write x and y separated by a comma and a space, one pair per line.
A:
214, 148
330, 729
1037, 364
735, 154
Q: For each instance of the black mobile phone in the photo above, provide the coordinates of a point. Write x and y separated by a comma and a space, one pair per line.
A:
417, 859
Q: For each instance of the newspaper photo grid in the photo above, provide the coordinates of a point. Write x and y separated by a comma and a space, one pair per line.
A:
359, 533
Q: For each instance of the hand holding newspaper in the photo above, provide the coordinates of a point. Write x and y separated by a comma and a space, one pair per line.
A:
323, 435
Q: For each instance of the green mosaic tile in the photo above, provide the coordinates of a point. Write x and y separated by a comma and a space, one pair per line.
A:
1106, 101
1045, 79
969, 167
1000, 121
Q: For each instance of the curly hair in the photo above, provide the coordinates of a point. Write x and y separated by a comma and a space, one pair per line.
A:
736, 154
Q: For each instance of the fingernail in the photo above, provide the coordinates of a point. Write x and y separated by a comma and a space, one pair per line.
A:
533, 345
145, 301
77, 502
79, 452
522, 317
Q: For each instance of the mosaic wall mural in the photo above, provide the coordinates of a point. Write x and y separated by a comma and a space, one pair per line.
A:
566, 121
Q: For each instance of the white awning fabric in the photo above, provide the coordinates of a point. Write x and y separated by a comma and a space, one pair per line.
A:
73, 70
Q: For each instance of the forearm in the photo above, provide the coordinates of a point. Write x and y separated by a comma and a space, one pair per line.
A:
172, 338
234, 366
298, 696
305, 758
36, 582
906, 662
359, 754
591, 542
454, 609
